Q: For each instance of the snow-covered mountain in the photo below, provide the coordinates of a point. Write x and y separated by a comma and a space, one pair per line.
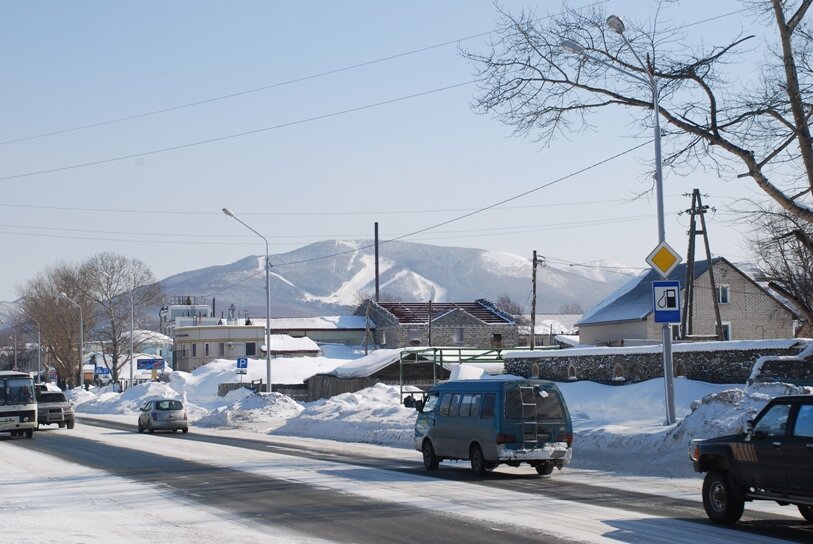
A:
331, 276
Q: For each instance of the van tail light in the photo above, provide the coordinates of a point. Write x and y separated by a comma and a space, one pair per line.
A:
569, 439
506, 438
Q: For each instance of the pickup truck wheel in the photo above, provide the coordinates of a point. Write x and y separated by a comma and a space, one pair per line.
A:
71, 424
807, 511
478, 463
719, 501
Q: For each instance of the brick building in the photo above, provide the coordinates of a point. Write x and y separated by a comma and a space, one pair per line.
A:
477, 324
747, 310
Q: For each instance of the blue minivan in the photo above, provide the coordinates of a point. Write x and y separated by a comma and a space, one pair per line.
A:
493, 421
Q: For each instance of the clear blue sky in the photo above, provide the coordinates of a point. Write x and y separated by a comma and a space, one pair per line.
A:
409, 164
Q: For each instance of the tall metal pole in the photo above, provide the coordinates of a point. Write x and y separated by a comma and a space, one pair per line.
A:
617, 25
132, 353
267, 331
533, 301
81, 340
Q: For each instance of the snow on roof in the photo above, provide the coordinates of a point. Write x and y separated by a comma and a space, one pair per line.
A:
284, 342
329, 322
141, 336
732, 345
633, 300
367, 365
568, 339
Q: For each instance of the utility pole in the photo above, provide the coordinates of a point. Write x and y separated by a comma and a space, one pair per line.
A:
698, 209
536, 261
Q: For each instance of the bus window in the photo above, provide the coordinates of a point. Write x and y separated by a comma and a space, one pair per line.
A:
487, 411
454, 408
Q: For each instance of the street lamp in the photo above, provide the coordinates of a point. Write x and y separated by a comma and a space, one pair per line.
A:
39, 345
81, 339
267, 298
617, 25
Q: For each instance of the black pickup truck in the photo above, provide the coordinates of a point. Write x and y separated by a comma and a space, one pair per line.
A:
772, 460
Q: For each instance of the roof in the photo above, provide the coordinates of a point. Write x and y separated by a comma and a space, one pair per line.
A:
284, 343
418, 312
334, 322
633, 300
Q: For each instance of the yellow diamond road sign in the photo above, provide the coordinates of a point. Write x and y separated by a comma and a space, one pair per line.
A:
663, 259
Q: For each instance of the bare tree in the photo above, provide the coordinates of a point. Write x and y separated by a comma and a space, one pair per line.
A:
759, 131
784, 247
117, 285
514, 309
572, 308
41, 298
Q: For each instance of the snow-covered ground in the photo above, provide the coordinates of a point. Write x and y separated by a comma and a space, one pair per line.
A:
620, 441
618, 429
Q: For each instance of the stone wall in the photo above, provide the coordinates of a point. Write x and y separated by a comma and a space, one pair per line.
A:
720, 366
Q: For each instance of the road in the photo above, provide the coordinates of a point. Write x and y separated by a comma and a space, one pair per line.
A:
353, 494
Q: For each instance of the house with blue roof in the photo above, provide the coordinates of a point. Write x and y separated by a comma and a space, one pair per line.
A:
748, 310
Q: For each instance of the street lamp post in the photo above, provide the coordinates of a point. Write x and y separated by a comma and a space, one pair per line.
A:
39, 345
617, 25
81, 339
267, 332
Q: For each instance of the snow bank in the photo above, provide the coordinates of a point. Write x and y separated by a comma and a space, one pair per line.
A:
249, 410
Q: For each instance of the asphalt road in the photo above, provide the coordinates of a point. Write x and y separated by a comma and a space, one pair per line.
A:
341, 517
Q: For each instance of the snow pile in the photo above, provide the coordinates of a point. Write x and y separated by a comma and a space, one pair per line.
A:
374, 415
110, 402
252, 411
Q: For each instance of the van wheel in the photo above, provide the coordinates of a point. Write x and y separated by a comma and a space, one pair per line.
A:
544, 469
807, 511
478, 463
719, 501
430, 460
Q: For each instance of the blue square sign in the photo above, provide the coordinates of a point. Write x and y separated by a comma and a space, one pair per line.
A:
242, 362
666, 301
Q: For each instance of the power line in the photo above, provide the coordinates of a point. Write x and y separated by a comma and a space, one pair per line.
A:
237, 135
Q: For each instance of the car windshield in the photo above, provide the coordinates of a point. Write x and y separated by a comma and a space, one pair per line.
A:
168, 405
52, 397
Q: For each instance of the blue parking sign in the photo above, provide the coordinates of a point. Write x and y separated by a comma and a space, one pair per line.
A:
242, 362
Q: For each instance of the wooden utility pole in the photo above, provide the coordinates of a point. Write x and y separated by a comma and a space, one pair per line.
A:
698, 209
536, 261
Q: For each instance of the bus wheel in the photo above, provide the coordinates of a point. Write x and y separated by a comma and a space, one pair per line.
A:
478, 463
430, 460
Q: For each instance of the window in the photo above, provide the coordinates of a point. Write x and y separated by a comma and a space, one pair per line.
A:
513, 403
773, 422
804, 421
444, 404
487, 411
457, 336
548, 404
496, 341
722, 294
430, 404
221, 348
454, 407
194, 350
469, 405
726, 331
251, 348
206, 349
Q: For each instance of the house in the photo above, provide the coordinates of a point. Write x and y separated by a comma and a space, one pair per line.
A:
471, 324
349, 330
747, 310
547, 328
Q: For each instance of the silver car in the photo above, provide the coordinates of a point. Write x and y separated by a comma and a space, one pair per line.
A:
54, 407
163, 415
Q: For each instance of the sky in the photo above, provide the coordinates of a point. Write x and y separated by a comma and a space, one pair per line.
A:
338, 115
608, 422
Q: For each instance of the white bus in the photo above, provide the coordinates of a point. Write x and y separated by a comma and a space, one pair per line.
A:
18, 404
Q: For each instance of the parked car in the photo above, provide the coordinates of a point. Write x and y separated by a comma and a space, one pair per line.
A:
492, 422
770, 461
163, 415
782, 369
54, 407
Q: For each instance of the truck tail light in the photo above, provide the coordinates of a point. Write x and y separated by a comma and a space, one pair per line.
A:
569, 439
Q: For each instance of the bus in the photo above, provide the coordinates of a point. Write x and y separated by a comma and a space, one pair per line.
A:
18, 404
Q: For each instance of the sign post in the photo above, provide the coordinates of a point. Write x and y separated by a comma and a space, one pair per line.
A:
664, 260
242, 367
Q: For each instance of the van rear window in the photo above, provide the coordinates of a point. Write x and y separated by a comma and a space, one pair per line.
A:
549, 406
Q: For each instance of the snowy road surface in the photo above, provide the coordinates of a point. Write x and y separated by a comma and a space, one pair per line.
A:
228, 486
